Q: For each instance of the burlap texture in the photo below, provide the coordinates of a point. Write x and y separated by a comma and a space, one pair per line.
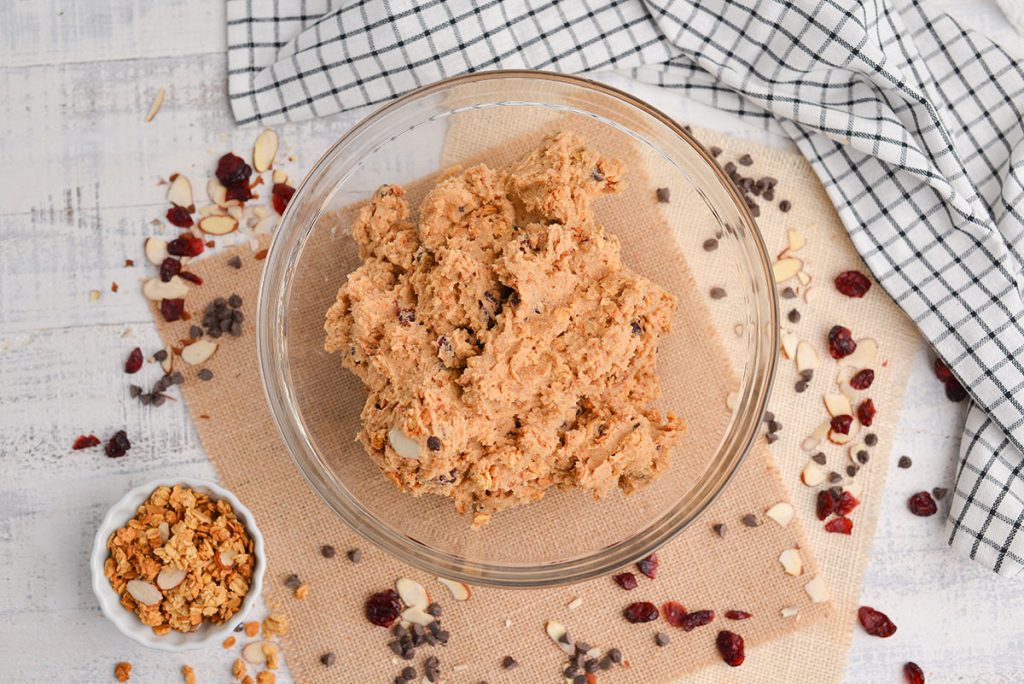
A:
698, 569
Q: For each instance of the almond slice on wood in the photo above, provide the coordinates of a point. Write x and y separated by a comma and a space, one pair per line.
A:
211, 210
157, 103
791, 562
218, 225
412, 593
156, 289
806, 357
460, 590
217, 193
838, 405
789, 345
814, 439
279, 176
199, 351
254, 654
782, 513
144, 592
812, 474
560, 635
817, 590
264, 150
169, 577
180, 192
156, 250
863, 356
784, 269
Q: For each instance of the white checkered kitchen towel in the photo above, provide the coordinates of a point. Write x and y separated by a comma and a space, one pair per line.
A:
913, 125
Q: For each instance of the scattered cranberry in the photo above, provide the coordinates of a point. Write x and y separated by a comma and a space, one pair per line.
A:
847, 502
232, 169
922, 504
839, 526
169, 268
239, 191
186, 245
841, 424
191, 277
649, 565
626, 580
730, 646
840, 342
827, 503
955, 392
674, 613
853, 284
641, 611
118, 445
875, 622
863, 379
134, 362
85, 442
697, 618
913, 673
179, 216
281, 194
737, 615
942, 371
866, 412
383, 608
172, 309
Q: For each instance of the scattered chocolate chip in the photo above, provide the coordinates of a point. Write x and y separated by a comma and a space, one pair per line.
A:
834, 477
663, 195
355, 555
206, 374
327, 658
863, 456
717, 293
719, 529
508, 662
807, 375
746, 160
904, 462
851, 470
768, 416
433, 443
793, 316
159, 399
800, 386
774, 425
939, 493
710, 245
408, 673
195, 332
715, 150
234, 301
239, 627
785, 205
293, 582
615, 654
434, 609
661, 639
134, 391
160, 355
871, 439
771, 438
327, 551
750, 520
636, 328
819, 458
236, 263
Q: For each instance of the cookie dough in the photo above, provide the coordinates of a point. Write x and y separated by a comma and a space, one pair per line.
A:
505, 348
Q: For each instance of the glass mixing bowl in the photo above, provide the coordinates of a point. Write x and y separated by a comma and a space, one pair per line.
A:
716, 367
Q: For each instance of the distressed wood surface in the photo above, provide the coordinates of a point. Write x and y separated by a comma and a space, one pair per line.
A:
78, 190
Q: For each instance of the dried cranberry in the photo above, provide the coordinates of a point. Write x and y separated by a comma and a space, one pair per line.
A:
281, 194
134, 362
839, 526
649, 565
179, 216
866, 412
383, 608
827, 502
186, 245
847, 502
626, 580
955, 391
840, 342
232, 169
913, 673
85, 442
641, 611
118, 445
191, 277
942, 371
730, 646
922, 504
697, 618
171, 309
737, 615
239, 191
853, 284
841, 424
674, 613
169, 268
875, 622
863, 379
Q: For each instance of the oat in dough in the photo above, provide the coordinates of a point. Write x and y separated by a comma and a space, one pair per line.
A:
504, 346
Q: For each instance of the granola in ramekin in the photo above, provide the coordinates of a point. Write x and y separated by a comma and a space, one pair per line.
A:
183, 558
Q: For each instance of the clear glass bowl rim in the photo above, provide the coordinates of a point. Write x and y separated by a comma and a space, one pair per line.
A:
271, 341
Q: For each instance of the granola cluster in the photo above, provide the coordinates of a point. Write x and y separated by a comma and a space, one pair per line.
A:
183, 558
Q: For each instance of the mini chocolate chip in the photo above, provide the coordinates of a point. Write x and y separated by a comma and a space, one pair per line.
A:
871, 439
819, 458
236, 329
663, 195
863, 456
750, 520
715, 150
774, 425
717, 293
785, 205
508, 662
239, 627
355, 555
134, 391
195, 332
661, 639
730, 168
579, 679
206, 374
746, 160
434, 609
771, 438
160, 355
234, 301
615, 654
433, 443
327, 551
159, 399
851, 470
293, 582
793, 316
940, 493
807, 375
788, 293
904, 462
236, 262
719, 529
834, 477
409, 673
636, 328
768, 416
327, 658
710, 245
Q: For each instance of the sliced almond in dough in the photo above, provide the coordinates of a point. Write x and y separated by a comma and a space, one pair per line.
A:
412, 593
144, 592
838, 405
199, 351
218, 225
403, 446
169, 577
180, 192
806, 357
156, 289
791, 562
460, 590
787, 268
782, 513
156, 250
264, 150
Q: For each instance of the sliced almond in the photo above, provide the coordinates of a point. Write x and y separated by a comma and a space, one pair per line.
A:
787, 268
218, 225
790, 612
254, 654
812, 474
156, 289
814, 439
863, 356
165, 531
199, 351
235, 213
264, 150
217, 193
810, 294
259, 211
560, 635
841, 439
403, 445
168, 363
279, 176
789, 345
730, 400
180, 192
817, 590
804, 278
838, 405
157, 103
417, 616
806, 357
211, 210
460, 590
169, 577
267, 224
412, 593
144, 592
156, 250
782, 513
791, 562
796, 240
225, 558
575, 603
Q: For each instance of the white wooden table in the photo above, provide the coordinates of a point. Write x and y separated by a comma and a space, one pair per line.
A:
78, 188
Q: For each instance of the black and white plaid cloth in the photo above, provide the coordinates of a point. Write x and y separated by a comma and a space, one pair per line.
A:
913, 125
